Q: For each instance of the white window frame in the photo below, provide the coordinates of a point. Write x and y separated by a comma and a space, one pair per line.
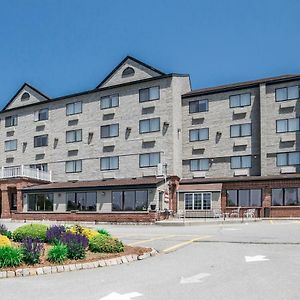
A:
193, 201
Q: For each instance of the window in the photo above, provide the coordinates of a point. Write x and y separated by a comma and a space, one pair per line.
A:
149, 159
73, 136
287, 93
201, 164
128, 72
74, 108
41, 140
109, 101
197, 201
109, 163
240, 130
10, 145
287, 125
40, 202
288, 159
240, 162
11, 121
149, 94
199, 134
41, 114
286, 197
25, 96
244, 198
240, 100
198, 106
134, 200
41, 167
149, 125
108, 131
73, 166
83, 201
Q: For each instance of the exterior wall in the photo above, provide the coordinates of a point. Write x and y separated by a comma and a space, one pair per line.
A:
141, 72
128, 114
122, 217
215, 204
34, 98
218, 118
272, 142
104, 200
266, 209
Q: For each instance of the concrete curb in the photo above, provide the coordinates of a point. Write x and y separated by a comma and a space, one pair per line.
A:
77, 266
208, 222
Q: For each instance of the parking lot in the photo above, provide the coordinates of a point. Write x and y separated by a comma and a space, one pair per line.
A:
257, 260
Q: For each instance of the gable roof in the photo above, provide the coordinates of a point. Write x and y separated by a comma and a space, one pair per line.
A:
19, 90
240, 85
122, 62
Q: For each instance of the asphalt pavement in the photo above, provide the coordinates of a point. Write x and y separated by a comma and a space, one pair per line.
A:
258, 260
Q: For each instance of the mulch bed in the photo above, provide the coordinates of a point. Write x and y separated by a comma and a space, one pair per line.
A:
90, 257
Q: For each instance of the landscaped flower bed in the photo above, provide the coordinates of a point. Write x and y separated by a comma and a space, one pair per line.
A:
37, 245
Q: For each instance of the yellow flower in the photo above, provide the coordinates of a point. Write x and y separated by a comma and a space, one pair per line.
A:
4, 241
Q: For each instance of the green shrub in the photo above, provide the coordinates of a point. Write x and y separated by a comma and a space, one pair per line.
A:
58, 253
104, 231
35, 231
105, 244
10, 256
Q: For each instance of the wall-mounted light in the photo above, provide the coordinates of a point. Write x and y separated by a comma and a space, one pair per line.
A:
103, 193
90, 137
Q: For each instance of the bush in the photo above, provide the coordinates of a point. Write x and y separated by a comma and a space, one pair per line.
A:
104, 231
5, 231
10, 257
105, 244
32, 250
4, 241
76, 244
58, 253
87, 232
55, 233
35, 231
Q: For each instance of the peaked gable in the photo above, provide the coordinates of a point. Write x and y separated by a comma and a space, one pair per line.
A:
25, 95
129, 69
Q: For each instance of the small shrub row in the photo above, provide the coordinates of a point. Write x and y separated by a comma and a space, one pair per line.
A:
35, 231
70, 243
105, 244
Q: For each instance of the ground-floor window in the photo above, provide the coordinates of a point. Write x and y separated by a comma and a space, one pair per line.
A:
40, 202
83, 201
286, 197
130, 200
197, 201
244, 198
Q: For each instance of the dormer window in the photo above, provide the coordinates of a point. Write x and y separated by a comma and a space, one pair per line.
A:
25, 96
128, 72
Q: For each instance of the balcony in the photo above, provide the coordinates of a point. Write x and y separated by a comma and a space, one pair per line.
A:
24, 171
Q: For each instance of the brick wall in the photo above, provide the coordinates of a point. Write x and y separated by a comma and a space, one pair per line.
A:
92, 217
266, 186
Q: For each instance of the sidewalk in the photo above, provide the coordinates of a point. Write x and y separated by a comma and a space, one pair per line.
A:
204, 221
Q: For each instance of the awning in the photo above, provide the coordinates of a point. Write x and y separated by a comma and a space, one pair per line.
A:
208, 187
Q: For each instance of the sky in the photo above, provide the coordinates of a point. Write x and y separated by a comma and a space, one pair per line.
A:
68, 46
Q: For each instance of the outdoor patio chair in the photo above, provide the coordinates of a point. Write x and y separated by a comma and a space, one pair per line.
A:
235, 213
249, 213
217, 213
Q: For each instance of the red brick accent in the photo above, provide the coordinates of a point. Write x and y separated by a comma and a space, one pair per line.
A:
5, 207
91, 217
266, 186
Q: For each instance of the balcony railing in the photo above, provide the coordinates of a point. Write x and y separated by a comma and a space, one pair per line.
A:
24, 171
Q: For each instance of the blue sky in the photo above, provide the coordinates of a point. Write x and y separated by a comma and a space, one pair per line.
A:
67, 46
